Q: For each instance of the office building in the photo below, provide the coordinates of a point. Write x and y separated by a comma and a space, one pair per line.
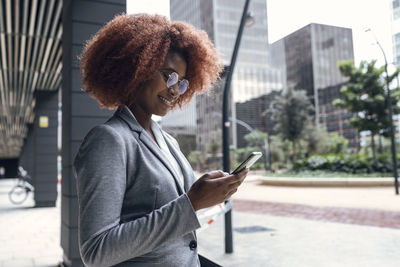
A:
252, 115
253, 76
310, 57
395, 19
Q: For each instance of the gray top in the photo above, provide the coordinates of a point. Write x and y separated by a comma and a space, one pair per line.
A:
132, 209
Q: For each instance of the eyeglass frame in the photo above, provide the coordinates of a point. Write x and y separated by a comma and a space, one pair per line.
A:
179, 82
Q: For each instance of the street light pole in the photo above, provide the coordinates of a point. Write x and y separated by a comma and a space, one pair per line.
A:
226, 125
255, 134
389, 103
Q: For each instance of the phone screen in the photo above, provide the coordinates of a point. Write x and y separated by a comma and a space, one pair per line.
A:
254, 156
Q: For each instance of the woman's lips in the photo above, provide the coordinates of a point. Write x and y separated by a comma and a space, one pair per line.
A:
166, 101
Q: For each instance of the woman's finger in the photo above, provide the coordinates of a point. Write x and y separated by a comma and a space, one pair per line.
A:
231, 179
215, 174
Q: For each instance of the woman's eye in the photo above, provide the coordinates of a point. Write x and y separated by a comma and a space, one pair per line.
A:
166, 77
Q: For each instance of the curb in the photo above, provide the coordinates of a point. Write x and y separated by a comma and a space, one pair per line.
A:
328, 182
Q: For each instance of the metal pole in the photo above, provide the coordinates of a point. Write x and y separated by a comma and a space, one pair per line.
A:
266, 155
392, 134
226, 125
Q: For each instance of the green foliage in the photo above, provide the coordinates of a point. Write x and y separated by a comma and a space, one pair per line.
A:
383, 146
365, 96
291, 112
326, 174
358, 163
318, 141
279, 149
256, 138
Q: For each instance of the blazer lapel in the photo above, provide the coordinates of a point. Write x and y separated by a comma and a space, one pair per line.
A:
187, 171
129, 118
146, 139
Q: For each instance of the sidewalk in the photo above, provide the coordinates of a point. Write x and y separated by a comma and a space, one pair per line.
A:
264, 240
379, 197
28, 236
308, 226
273, 226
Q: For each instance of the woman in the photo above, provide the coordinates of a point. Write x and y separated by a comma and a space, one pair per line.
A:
136, 191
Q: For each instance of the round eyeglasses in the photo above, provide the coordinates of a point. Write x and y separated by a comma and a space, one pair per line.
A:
173, 78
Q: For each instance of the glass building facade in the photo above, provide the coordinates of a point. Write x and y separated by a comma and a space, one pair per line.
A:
253, 75
310, 58
395, 18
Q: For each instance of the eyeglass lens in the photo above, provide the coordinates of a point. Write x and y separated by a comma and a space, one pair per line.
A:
173, 79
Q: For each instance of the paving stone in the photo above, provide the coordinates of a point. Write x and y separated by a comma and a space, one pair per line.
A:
379, 218
312, 227
301, 243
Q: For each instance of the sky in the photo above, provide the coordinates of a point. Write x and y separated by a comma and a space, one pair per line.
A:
287, 16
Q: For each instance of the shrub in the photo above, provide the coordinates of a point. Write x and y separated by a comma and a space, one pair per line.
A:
346, 163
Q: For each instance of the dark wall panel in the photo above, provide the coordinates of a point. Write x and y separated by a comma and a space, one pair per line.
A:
76, 80
45, 150
81, 20
82, 105
76, 52
95, 11
81, 30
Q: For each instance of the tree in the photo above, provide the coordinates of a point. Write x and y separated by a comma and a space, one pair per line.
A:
256, 138
279, 151
319, 141
291, 112
364, 94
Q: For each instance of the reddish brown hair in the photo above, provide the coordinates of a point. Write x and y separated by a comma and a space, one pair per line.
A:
123, 55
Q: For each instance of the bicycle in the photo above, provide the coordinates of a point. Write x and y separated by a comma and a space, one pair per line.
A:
19, 193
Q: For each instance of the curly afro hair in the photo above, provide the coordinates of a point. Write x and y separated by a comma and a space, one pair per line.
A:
123, 55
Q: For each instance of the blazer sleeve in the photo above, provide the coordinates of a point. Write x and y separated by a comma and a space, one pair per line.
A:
100, 169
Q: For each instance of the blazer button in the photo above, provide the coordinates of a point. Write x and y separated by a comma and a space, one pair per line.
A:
193, 245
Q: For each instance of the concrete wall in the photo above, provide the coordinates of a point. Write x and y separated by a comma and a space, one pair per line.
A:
39, 153
81, 19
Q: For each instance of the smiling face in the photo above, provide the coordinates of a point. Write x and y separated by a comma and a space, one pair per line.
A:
156, 98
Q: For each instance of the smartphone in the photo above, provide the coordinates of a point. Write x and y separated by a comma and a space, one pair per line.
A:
253, 157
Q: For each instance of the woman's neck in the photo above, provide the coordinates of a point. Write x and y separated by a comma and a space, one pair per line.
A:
142, 117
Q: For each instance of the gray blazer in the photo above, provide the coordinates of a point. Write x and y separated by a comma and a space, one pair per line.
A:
132, 209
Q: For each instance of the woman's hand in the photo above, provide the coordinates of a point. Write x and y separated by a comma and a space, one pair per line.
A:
214, 187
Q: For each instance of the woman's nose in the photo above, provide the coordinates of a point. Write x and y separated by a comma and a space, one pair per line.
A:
174, 89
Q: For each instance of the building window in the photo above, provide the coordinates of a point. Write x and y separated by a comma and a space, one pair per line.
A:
398, 60
328, 43
396, 13
397, 38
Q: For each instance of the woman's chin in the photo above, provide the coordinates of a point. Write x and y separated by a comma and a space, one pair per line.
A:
161, 113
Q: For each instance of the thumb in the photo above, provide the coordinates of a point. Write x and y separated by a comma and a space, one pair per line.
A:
216, 174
